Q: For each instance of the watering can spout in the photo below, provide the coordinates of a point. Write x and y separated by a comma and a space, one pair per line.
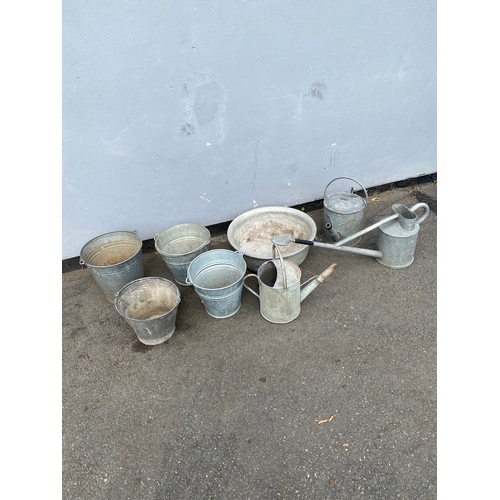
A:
316, 281
334, 234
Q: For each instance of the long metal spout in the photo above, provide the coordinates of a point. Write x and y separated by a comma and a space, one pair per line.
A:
394, 216
334, 234
316, 281
285, 240
361, 251
363, 231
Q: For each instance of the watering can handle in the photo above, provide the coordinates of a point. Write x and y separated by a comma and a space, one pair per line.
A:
349, 178
275, 247
424, 215
247, 287
304, 242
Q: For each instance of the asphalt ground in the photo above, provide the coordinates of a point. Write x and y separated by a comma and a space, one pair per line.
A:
340, 403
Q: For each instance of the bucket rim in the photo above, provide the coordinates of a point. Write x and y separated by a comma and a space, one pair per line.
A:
198, 287
165, 254
218, 250
186, 224
206, 235
202, 256
119, 294
161, 252
134, 233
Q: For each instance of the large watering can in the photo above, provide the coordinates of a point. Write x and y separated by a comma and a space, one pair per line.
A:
342, 213
280, 291
396, 242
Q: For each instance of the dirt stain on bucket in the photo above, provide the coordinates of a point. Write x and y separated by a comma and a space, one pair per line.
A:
113, 253
115, 259
150, 309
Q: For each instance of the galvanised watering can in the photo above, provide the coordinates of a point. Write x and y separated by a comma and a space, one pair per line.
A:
342, 213
396, 242
280, 291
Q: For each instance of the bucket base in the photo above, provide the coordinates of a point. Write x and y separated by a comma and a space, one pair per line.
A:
222, 317
156, 341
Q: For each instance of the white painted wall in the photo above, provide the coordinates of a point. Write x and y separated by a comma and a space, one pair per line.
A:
197, 111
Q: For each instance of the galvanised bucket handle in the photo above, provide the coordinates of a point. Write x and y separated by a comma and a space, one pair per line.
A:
349, 178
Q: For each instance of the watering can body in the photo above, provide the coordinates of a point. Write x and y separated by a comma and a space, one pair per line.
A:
280, 290
397, 239
278, 303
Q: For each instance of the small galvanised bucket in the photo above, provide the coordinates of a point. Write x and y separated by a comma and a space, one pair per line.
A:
114, 260
179, 245
343, 213
149, 306
217, 277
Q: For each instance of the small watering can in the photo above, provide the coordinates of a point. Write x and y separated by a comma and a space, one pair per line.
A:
343, 213
396, 242
280, 292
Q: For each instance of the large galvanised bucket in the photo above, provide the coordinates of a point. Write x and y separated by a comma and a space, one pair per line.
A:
217, 277
179, 245
149, 306
114, 260
343, 213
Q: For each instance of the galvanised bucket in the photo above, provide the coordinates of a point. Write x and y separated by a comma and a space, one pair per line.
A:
343, 213
217, 277
149, 306
114, 260
179, 245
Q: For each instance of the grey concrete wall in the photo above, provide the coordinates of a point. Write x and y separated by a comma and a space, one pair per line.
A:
198, 111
